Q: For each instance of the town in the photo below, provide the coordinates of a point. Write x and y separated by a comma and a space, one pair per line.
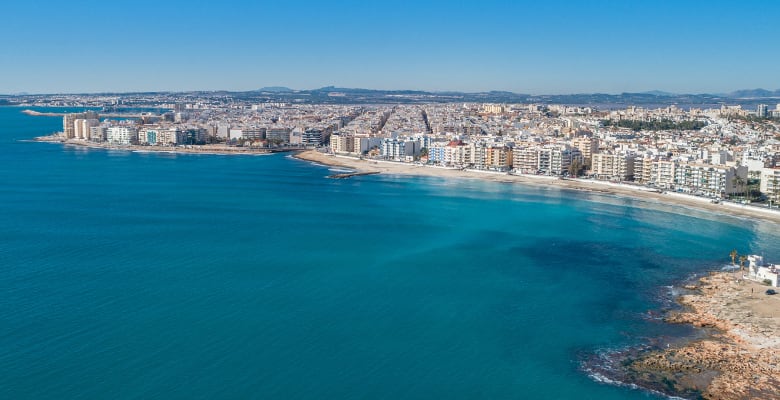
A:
726, 152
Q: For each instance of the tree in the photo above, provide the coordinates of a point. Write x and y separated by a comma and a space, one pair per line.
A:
742, 260
738, 183
575, 167
733, 256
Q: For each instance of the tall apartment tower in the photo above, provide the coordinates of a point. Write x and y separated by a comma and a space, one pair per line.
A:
69, 125
761, 110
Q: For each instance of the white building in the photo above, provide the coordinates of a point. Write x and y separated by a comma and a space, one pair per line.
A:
760, 272
121, 135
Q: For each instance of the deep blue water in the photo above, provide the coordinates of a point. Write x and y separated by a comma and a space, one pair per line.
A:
128, 275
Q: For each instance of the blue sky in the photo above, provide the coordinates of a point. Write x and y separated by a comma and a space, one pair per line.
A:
533, 47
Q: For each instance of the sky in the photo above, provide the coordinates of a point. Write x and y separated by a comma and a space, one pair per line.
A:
535, 47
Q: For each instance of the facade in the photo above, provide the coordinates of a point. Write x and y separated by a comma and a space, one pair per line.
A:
98, 133
398, 149
770, 183
762, 110
341, 143
311, 137
758, 271
643, 170
587, 146
121, 135
498, 158
278, 135
616, 167
69, 125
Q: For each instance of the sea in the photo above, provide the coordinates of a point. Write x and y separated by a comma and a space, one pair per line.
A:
131, 275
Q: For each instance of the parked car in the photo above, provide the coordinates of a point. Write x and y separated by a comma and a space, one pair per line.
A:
771, 291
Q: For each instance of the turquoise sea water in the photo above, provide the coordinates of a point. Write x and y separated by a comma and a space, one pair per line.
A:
134, 275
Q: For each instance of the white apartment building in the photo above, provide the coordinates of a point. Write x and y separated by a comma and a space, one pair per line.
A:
770, 183
121, 135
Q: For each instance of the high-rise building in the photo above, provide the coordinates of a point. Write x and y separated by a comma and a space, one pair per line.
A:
69, 124
122, 135
761, 110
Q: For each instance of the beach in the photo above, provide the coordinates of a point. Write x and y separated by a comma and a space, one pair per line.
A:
739, 359
638, 192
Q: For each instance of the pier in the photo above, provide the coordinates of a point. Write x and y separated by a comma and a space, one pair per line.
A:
351, 174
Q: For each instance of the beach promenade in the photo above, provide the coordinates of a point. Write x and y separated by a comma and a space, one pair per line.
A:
638, 192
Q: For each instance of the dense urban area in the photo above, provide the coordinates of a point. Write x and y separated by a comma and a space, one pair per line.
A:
728, 151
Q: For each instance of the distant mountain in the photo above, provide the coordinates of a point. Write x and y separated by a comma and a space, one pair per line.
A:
659, 93
328, 89
753, 93
275, 89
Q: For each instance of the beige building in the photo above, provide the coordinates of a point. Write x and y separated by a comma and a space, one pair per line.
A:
770, 183
619, 167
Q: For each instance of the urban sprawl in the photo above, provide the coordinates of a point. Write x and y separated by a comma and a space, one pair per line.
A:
726, 152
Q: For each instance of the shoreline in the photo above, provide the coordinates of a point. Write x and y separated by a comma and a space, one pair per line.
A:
212, 149
600, 187
731, 356
738, 357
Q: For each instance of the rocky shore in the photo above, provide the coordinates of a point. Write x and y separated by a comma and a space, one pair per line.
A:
194, 149
738, 360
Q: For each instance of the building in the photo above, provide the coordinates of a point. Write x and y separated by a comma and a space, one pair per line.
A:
399, 149
759, 271
253, 133
643, 170
498, 158
69, 124
148, 136
122, 135
341, 143
98, 133
311, 137
762, 110
770, 183
552, 159
587, 146
615, 167
278, 135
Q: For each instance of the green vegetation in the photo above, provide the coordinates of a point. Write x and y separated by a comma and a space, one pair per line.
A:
660, 125
575, 168
767, 282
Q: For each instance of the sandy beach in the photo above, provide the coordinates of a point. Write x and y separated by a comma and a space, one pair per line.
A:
638, 192
740, 359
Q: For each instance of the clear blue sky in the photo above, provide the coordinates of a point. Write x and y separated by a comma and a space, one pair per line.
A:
522, 46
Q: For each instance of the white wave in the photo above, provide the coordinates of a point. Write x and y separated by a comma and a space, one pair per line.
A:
603, 379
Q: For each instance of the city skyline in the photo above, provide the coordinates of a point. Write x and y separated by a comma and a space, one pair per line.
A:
691, 47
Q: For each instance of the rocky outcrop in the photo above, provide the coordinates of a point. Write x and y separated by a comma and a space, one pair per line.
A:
738, 361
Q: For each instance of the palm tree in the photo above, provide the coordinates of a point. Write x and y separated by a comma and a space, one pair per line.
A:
738, 183
742, 260
733, 256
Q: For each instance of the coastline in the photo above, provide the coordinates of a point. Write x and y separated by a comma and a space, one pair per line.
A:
636, 192
216, 149
738, 358
732, 357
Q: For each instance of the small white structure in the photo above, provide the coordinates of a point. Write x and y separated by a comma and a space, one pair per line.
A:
760, 272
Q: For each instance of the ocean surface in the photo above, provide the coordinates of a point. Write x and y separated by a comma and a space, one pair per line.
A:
136, 275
